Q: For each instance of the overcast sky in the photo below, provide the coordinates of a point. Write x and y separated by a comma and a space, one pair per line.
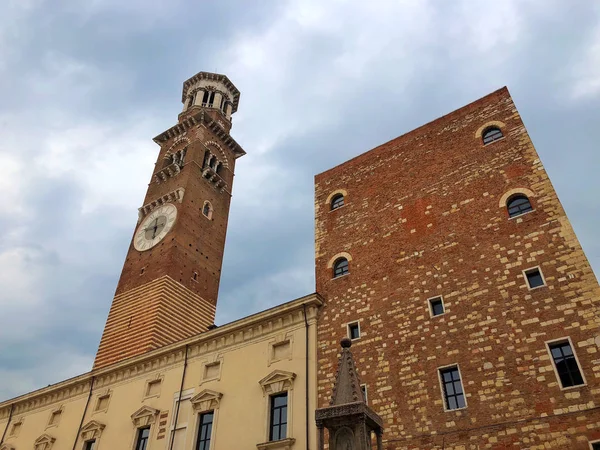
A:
86, 84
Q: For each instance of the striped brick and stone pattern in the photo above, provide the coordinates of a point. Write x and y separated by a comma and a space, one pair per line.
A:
425, 216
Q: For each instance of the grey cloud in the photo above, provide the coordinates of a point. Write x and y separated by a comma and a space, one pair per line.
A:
320, 84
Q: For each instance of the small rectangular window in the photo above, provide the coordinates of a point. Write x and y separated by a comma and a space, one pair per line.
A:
353, 330
205, 431
278, 425
436, 306
595, 445
454, 396
534, 278
363, 388
142, 438
90, 445
566, 364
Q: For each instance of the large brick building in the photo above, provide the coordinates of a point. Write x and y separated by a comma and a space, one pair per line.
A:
447, 256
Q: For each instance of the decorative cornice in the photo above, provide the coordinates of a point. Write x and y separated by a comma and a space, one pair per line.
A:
171, 197
277, 381
144, 416
92, 430
45, 442
201, 118
206, 400
216, 77
232, 334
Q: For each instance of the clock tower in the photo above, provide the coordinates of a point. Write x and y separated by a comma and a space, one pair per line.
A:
170, 280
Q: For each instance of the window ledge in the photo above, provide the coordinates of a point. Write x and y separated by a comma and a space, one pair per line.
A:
283, 444
341, 276
569, 388
497, 140
521, 215
336, 209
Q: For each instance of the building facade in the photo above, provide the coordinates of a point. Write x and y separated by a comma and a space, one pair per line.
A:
165, 377
443, 257
447, 257
197, 394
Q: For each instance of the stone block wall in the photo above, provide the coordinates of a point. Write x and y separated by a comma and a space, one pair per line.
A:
424, 215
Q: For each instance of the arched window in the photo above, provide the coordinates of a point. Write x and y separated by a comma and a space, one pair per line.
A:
340, 267
517, 205
337, 201
492, 134
207, 210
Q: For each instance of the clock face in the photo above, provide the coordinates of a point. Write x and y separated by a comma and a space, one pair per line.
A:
155, 227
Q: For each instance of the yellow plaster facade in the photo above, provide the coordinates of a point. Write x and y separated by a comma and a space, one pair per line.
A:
231, 370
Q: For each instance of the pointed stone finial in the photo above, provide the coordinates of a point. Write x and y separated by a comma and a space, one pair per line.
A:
346, 388
348, 418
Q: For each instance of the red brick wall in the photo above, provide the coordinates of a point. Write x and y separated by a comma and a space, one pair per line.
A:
145, 315
422, 218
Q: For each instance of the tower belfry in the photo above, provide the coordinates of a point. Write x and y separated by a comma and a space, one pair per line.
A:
170, 280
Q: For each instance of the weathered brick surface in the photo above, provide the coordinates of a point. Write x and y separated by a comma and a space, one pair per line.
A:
422, 218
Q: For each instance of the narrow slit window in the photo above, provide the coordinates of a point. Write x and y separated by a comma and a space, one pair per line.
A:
340, 267
337, 201
566, 364
517, 205
454, 396
363, 388
353, 330
534, 278
278, 425
90, 445
436, 306
492, 134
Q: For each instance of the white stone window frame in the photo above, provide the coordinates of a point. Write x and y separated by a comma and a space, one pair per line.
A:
591, 443
278, 382
348, 334
503, 203
218, 360
280, 340
441, 385
91, 431
343, 192
430, 306
530, 269
159, 378
334, 259
492, 123
142, 418
204, 402
185, 396
547, 344
54, 411
44, 442
103, 394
